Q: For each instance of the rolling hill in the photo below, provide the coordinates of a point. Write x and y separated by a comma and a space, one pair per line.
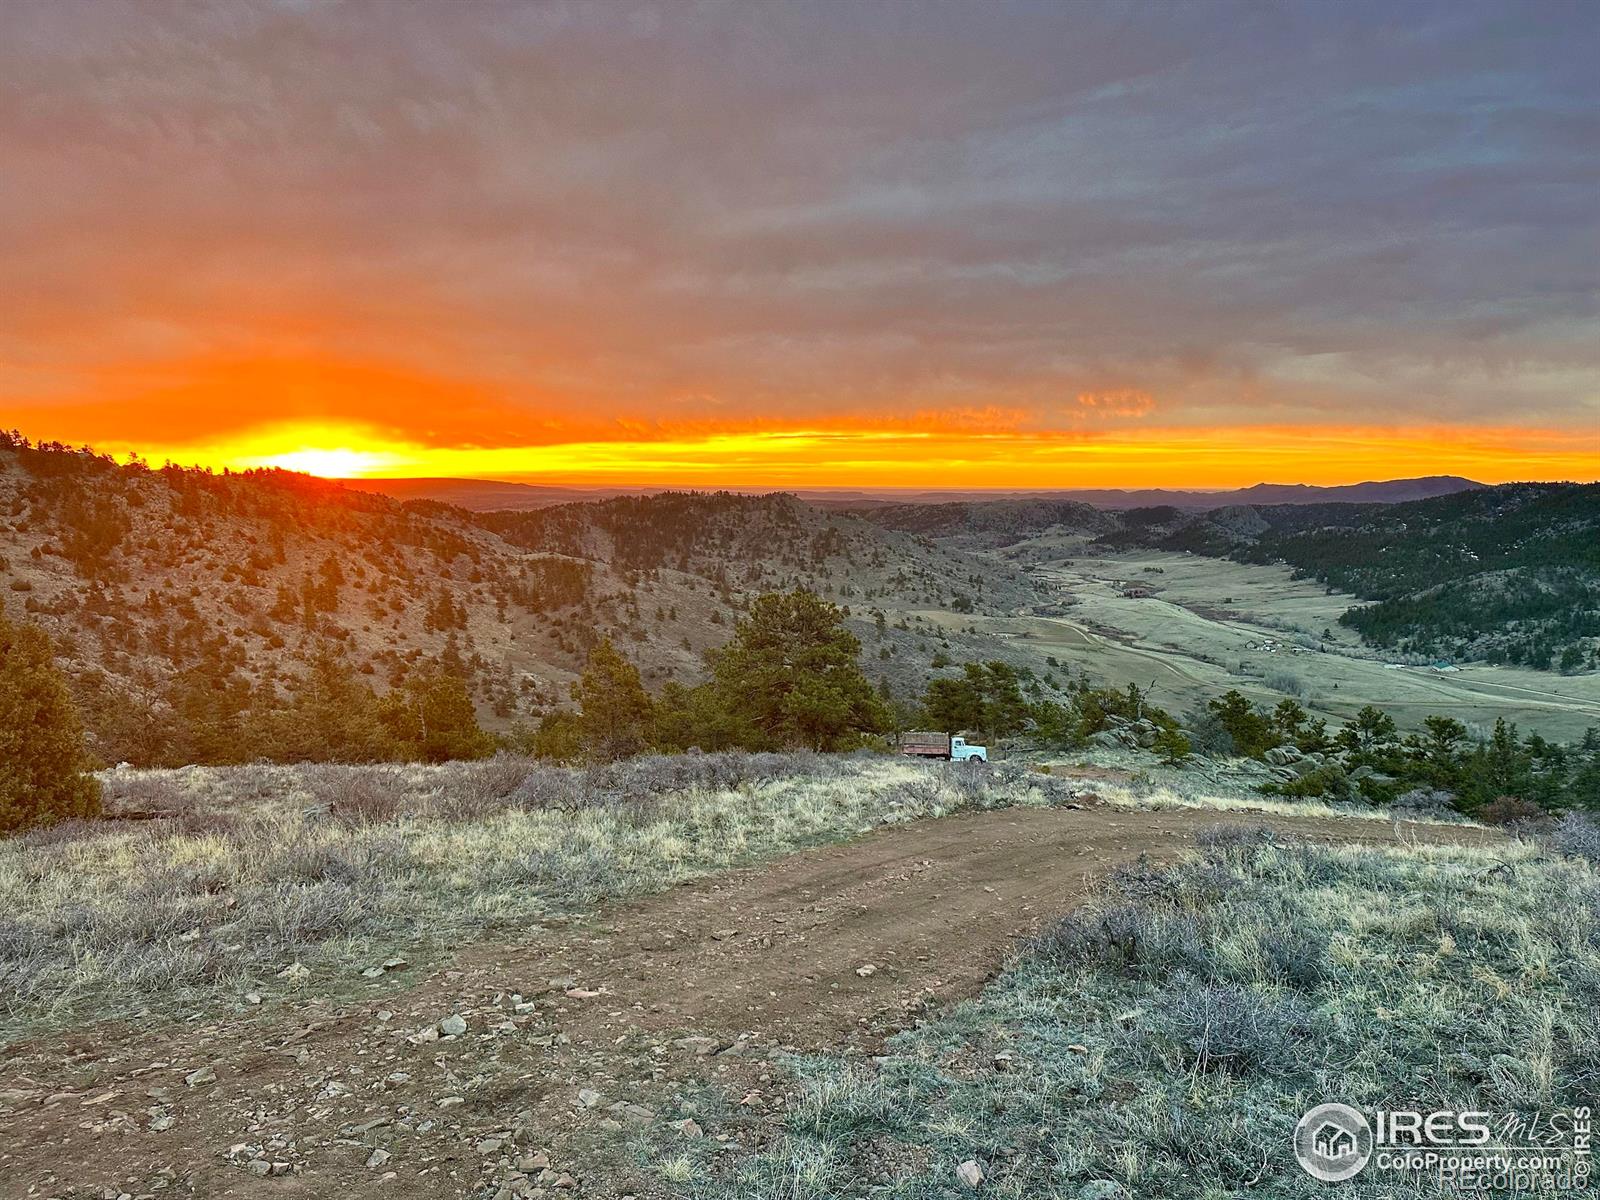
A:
490, 495
1505, 574
178, 597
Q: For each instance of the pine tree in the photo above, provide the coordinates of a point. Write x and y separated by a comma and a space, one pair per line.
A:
614, 715
433, 720
42, 759
791, 676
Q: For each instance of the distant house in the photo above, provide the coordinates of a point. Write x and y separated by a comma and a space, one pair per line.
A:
1444, 664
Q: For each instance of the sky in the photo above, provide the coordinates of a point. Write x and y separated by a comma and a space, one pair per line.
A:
807, 244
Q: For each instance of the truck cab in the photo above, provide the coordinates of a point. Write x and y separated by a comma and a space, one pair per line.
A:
962, 751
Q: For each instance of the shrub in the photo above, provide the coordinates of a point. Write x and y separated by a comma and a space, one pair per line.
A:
41, 742
1423, 803
1131, 939
1329, 782
1296, 957
1578, 836
1208, 736
1240, 1028
1511, 810
1287, 682
354, 797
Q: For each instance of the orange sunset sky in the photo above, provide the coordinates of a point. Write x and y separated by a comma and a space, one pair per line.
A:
807, 245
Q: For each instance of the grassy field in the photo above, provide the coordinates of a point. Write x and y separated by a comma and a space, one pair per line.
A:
1193, 639
271, 880
1165, 1041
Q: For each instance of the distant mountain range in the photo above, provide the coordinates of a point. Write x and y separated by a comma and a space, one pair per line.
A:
489, 495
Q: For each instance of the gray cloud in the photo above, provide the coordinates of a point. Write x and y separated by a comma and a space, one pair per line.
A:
1353, 213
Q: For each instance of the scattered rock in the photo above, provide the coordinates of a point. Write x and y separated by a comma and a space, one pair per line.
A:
198, 1078
489, 1146
453, 1026
589, 1098
1101, 1189
450, 1101
866, 971
376, 1159
970, 1173
698, 1046
689, 1127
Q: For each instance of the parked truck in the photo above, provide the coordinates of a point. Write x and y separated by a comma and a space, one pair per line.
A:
925, 744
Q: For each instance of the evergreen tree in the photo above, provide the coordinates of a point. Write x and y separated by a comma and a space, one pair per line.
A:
42, 760
614, 710
791, 676
1253, 733
433, 719
986, 698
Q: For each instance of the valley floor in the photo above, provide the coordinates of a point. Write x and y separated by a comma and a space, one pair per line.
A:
1211, 624
590, 1045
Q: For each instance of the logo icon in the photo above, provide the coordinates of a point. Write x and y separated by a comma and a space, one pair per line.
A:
1333, 1142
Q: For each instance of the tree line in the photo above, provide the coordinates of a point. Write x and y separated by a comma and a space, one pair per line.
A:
789, 677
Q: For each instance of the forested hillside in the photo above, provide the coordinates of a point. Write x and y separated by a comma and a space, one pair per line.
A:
1505, 574
994, 522
217, 617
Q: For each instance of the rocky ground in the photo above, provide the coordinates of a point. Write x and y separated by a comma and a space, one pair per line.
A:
584, 1061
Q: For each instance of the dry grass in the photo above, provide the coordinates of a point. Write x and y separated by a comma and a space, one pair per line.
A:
1164, 1040
245, 871
1152, 787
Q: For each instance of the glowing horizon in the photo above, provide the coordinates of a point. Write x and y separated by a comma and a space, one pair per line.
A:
1033, 246
896, 459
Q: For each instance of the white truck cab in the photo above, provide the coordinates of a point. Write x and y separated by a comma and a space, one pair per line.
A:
961, 751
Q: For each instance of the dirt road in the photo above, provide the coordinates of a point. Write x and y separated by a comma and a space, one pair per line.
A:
621, 1022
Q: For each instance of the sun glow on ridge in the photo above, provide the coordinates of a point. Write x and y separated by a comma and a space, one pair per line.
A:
340, 463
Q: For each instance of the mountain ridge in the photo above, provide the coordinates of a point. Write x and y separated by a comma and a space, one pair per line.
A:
496, 495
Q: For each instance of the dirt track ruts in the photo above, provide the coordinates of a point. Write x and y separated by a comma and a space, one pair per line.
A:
771, 952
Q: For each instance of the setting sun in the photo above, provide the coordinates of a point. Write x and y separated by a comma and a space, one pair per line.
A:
341, 463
